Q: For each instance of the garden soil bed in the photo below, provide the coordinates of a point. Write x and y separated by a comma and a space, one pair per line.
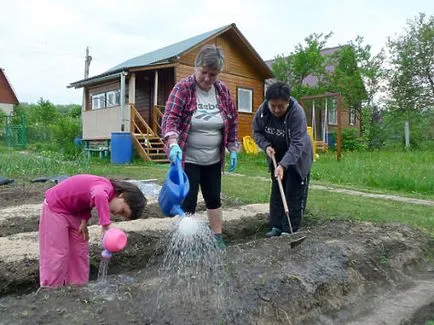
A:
343, 273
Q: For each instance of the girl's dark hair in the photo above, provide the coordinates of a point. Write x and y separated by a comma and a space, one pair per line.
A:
132, 195
278, 90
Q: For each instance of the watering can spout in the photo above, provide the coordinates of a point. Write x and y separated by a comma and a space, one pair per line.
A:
177, 211
106, 254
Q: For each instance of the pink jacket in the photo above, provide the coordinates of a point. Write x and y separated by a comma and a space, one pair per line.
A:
79, 194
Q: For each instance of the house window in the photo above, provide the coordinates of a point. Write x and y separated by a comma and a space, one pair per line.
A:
245, 100
98, 101
352, 116
108, 99
113, 98
332, 113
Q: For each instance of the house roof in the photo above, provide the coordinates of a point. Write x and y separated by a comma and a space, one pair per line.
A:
7, 93
171, 54
164, 54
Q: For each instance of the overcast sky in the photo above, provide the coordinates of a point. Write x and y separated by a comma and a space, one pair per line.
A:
43, 42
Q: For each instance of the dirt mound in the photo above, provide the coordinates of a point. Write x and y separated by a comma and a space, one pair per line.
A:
265, 281
344, 273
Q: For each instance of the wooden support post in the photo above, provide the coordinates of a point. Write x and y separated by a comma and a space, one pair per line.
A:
339, 131
152, 115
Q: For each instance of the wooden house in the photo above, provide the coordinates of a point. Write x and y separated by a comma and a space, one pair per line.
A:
326, 113
7, 95
131, 96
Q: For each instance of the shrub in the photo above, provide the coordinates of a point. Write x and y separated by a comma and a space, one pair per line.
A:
64, 132
350, 140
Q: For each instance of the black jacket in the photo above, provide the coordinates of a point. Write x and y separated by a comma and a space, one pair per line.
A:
300, 150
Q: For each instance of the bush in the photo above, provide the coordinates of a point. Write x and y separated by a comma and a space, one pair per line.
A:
64, 132
350, 140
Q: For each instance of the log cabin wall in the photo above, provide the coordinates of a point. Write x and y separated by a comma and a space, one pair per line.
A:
238, 72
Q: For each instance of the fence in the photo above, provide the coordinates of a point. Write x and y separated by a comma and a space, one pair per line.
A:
13, 131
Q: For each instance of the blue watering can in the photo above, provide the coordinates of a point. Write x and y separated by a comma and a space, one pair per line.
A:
174, 190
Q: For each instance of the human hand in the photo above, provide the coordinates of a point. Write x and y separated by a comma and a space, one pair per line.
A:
279, 172
104, 229
270, 151
83, 230
233, 162
175, 152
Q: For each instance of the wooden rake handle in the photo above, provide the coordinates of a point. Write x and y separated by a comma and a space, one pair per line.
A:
282, 192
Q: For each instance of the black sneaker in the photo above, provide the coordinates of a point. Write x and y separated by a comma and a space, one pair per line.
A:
273, 233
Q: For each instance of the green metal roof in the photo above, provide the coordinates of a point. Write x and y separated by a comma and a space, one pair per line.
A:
165, 53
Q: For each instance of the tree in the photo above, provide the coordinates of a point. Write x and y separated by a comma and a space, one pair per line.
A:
358, 76
411, 81
304, 61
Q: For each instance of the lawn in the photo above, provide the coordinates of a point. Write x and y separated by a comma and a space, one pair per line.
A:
403, 173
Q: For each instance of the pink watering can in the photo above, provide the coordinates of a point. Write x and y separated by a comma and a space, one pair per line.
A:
114, 241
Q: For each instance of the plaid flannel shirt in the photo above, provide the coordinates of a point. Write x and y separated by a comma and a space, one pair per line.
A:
181, 105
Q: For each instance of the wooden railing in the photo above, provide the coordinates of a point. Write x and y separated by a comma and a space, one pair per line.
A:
139, 125
157, 118
147, 142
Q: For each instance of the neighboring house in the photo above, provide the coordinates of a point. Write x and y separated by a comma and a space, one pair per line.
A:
7, 95
130, 96
321, 111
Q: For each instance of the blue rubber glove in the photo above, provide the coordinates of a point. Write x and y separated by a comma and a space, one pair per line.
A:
232, 161
175, 152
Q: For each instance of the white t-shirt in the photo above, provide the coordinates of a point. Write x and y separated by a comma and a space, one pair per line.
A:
205, 134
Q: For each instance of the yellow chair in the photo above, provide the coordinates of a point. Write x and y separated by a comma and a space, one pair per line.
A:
310, 132
249, 145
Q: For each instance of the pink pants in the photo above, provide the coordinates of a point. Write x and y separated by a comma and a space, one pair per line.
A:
63, 253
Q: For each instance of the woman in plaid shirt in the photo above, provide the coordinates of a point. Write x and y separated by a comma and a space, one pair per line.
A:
200, 122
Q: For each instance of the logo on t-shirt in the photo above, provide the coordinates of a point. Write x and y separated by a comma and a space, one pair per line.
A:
274, 132
206, 111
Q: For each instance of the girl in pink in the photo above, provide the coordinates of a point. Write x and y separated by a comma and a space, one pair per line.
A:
63, 235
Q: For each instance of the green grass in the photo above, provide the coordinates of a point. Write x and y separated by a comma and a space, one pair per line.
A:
326, 205
26, 166
329, 205
407, 174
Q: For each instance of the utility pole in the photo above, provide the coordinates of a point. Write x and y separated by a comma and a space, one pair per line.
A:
87, 61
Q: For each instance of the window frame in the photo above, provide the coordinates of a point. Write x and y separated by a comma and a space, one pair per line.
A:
249, 90
332, 109
352, 116
116, 97
98, 98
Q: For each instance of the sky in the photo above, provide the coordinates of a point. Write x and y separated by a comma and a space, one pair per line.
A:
43, 43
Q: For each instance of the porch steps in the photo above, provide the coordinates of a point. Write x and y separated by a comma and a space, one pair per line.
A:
146, 141
321, 146
153, 148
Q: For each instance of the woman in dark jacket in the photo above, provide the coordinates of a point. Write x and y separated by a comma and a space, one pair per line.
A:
279, 128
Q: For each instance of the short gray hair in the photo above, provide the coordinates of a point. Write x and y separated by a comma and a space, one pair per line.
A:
210, 56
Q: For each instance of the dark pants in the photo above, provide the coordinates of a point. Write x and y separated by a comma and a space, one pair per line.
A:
210, 179
296, 190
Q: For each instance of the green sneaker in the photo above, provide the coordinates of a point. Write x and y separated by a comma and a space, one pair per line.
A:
219, 241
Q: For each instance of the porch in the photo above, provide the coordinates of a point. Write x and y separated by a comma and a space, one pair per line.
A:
131, 104
323, 115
